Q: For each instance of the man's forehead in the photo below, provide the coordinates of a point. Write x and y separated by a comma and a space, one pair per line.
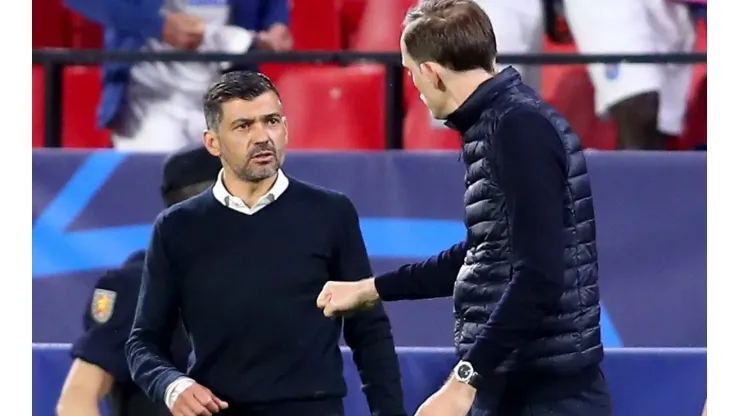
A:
404, 54
261, 106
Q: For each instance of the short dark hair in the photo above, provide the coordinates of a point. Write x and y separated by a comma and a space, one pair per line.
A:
187, 172
245, 85
177, 195
457, 34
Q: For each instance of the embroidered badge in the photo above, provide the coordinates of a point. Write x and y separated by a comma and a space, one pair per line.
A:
102, 305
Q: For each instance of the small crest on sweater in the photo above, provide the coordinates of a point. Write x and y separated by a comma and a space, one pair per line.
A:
102, 305
611, 71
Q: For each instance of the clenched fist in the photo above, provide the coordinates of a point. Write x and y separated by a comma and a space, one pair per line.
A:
338, 297
197, 400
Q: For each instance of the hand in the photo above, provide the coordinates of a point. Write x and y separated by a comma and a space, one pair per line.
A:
264, 41
183, 31
277, 38
197, 400
338, 297
453, 399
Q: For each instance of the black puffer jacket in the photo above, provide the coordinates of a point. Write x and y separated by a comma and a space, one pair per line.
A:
569, 336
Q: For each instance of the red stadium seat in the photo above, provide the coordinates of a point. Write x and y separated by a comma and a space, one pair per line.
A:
573, 96
419, 134
82, 89
351, 16
49, 24
380, 28
83, 33
695, 131
334, 108
37, 100
552, 74
315, 25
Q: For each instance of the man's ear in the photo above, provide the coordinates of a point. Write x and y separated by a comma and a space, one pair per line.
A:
211, 142
431, 71
285, 123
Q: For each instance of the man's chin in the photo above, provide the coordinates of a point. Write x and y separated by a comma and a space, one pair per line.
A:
438, 115
265, 171
259, 173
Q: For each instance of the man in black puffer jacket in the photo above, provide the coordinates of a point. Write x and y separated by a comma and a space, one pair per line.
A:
524, 282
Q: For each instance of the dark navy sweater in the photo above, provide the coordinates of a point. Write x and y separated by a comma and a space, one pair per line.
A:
247, 288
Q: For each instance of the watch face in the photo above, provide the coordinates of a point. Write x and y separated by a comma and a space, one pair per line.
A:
464, 372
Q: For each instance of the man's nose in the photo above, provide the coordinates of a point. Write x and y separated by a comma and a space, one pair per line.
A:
260, 135
260, 139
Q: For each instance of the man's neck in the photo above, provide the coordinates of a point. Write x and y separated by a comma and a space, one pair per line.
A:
464, 85
248, 192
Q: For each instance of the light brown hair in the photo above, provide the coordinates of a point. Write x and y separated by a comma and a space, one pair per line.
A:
456, 34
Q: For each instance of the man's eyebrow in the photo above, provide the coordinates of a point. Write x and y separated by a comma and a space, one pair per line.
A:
245, 120
241, 120
271, 115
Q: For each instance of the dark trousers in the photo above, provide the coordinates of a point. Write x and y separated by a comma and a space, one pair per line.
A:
323, 407
520, 394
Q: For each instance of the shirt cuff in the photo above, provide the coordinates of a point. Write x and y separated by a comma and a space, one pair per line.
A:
385, 286
483, 360
172, 392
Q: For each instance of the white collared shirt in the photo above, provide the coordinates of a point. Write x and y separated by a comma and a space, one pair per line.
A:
234, 202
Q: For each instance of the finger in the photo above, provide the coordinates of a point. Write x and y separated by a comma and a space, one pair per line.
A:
323, 300
176, 411
194, 404
329, 310
221, 404
185, 407
211, 405
195, 39
205, 398
213, 398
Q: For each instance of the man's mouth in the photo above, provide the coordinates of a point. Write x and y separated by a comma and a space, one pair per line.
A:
263, 157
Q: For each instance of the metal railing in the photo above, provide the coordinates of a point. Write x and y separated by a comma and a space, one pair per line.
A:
54, 61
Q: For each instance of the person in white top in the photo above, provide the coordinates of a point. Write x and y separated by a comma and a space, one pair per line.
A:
520, 29
647, 101
159, 110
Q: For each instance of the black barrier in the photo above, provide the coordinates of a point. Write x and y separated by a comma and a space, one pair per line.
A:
54, 61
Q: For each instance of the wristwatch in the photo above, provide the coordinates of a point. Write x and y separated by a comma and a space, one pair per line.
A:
465, 373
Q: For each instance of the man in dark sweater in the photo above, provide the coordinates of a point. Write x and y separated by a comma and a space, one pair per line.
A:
524, 282
243, 263
99, 368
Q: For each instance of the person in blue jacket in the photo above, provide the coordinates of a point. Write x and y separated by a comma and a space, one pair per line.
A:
155, 106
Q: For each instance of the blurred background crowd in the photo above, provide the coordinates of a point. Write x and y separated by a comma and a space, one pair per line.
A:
155, 106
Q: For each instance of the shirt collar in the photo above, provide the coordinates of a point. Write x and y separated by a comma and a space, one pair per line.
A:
483, 97
223, 195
